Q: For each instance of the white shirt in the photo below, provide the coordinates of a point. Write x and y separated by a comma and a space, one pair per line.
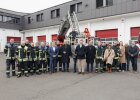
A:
54, 49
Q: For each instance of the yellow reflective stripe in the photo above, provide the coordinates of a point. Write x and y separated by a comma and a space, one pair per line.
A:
8, 54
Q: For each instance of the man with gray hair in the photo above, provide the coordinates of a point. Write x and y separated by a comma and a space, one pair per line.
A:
53, 54
10, 51
81, 52
43, 58
22, 58
133, 52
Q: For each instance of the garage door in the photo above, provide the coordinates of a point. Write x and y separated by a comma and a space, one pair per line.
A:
110, 35
17, 39
30, 39
135, 33
54, 37
42, 38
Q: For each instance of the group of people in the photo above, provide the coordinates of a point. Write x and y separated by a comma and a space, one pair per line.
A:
38, 58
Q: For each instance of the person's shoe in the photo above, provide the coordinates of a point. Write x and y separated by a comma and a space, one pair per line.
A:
8, 76
135, 72
96, 71
123, 71
108, 70
83, 73
27, 75
128, 70
18, 76
13, 74
79, 72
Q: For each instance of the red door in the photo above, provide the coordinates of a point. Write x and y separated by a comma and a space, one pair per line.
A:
30, 39
42, 38
16, 39
54, 37
135, 31
112, 33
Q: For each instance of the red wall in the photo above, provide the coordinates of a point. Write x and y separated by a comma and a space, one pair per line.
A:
111, 33
17, 39
54, 37
135, 31
42, 38
30, 39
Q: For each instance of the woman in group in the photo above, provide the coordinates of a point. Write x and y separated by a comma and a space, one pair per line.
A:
108, 57
122, 57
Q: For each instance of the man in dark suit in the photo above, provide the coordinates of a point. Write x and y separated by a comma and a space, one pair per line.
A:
66, 53
53, 54
59, 59
90, 55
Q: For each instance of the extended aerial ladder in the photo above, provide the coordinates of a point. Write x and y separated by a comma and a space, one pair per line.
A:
69, 21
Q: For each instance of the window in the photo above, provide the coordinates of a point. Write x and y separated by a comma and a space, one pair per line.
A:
58, 13
76, 8
16, 20
0, 18
79, 7
9, 19
99, 3
103, 3
72, 8
109, 2
5, 18
29, 20
39, 17
55, 13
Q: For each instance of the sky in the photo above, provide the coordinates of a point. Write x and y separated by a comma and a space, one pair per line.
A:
29, 6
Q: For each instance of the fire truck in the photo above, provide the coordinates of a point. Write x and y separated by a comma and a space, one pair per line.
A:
71, 21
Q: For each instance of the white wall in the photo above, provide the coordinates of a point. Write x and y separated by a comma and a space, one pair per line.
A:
121, 22
7, 32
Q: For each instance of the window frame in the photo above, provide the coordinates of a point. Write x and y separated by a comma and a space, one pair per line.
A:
55, 13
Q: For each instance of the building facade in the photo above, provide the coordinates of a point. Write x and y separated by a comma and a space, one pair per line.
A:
108, 20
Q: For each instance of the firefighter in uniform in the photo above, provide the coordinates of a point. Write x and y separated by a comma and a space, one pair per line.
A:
116, 61
32, 59
27, 43
99, 58
48, 58
59, 60
10, 50
37, 58
22, 59
43, 58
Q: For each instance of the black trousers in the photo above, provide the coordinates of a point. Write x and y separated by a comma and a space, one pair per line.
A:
134, 62
37, 66
90, 66
10, 62
68, 64
42, 65
22, 67
59, 63
32, 66
116, 64
123, 66
75, 63
109, 65
99, 64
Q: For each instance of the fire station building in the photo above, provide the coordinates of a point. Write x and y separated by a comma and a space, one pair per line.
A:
108, 20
